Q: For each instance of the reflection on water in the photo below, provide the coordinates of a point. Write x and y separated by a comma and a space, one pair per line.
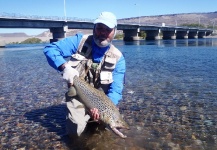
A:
179, 42
169, 99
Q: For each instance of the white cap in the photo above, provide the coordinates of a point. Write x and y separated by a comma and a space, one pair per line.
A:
107, 18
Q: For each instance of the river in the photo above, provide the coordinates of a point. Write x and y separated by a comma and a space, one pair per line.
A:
169, 98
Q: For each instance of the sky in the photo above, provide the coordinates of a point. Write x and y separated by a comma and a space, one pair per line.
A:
91, 9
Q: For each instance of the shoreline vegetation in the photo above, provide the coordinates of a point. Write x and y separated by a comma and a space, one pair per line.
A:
29, 41
32, 41
23, 40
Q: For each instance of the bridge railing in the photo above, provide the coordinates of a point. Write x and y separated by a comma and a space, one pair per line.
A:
35, 17
57, 18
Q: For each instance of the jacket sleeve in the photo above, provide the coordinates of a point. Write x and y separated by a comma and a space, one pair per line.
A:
116, 87
56, 52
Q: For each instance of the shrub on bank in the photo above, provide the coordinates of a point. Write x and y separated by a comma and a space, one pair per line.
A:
32, 41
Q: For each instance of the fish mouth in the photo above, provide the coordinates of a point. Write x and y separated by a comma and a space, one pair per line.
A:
122, 127
117, 131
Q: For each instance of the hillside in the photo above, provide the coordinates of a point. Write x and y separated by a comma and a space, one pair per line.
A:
13, 35
205, 19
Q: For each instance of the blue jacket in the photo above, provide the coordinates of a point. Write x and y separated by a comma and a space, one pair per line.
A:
57, 52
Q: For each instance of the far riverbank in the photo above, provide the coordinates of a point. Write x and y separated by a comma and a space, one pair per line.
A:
8, 40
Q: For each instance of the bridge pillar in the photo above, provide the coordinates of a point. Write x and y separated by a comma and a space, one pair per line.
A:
182, 35
58, 33
153, 34
208, 33
131, 34
193, 34
202, 34
169, 35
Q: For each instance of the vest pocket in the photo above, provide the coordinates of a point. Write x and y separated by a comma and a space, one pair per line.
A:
106, 77
110, 63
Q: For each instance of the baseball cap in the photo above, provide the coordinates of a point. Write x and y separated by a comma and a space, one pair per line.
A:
107, 18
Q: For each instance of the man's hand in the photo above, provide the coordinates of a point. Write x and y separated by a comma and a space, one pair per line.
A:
94, 113
69, 73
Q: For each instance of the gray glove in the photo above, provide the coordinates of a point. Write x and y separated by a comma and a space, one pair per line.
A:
69, 73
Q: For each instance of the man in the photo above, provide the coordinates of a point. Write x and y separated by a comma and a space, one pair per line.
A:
93, 58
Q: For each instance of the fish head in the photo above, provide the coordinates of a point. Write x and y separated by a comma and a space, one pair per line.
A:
116, 123
114, 120
120, 124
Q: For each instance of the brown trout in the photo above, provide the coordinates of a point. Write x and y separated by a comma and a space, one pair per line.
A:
93, 98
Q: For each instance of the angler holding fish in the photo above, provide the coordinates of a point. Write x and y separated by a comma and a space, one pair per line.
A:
95, 75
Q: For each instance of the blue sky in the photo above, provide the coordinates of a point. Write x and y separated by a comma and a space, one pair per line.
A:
91, 9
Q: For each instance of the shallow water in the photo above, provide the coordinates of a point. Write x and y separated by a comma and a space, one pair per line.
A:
169, 99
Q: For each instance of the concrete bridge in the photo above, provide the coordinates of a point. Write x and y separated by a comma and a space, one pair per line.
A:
131, 31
